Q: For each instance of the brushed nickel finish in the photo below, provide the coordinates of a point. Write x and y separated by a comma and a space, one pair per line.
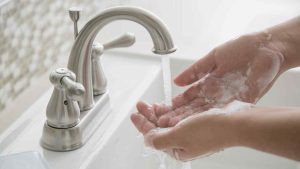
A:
80, 101
67, 139
98, 76
63, 110
126, 40
80, 56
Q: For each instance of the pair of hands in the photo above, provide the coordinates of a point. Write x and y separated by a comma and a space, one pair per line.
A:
242, 69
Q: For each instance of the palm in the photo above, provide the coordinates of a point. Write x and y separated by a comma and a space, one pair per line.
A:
241, 69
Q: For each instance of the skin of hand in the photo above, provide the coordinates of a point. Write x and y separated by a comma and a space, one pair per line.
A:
269, 54
241, 69
272, 130
209, 133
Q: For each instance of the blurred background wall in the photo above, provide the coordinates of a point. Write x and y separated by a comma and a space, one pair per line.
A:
36, 35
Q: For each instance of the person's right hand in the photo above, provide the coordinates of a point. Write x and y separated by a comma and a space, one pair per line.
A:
242, 69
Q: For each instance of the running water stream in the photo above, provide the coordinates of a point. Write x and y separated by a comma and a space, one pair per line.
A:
166, 70
166, 162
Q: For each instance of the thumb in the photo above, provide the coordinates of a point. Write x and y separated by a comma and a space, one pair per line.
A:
197, 71
161, 139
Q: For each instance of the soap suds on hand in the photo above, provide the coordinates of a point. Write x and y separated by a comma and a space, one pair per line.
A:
228, 87
232, 107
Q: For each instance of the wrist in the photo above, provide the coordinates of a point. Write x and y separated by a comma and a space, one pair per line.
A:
233, 134
266, 40
285, 39
249, 127
240, 127
283, 44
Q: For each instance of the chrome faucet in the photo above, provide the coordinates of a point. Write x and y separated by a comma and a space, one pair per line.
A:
80, 101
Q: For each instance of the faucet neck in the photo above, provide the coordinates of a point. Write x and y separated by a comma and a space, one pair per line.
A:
80, 57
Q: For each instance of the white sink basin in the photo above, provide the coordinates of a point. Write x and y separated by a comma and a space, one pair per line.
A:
125, 150
24, 160
115, 145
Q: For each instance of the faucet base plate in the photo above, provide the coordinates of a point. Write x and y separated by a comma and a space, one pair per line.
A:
67, 139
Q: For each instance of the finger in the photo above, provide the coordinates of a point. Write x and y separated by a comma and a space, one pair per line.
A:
163, 121
141, 123
161, 139
161, 109
179, 101
181, 155
174, 153
192, 92
198, 102
173, 121
190, 110
185, 97
197, 70
168, 120
147, 110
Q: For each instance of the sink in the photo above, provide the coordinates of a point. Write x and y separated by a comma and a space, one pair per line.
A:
116, 144
125, 149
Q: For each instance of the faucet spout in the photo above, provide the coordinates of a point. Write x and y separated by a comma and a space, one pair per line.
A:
80, 57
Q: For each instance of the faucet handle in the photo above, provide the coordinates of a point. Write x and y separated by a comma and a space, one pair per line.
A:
63, 110
64, 79
126, 40
73, 89
98, 77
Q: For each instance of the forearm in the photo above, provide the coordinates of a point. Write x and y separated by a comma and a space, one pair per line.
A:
285, 38
272, 130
